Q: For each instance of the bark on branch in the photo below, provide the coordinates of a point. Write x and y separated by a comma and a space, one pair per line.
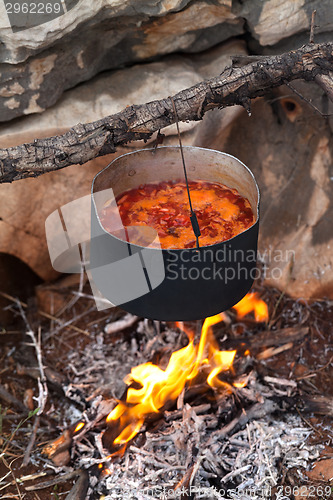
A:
236, 85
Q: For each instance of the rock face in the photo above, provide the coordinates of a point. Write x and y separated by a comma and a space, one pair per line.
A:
38, 62
289, 148
286, 144
271, 21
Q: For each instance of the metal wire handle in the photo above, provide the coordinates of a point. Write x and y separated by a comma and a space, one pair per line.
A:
193, 217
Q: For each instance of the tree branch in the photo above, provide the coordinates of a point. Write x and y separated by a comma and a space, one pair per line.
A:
326, 83
234, 86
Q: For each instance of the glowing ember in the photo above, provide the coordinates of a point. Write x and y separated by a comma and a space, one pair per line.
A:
161, 386
252, 303
79, 426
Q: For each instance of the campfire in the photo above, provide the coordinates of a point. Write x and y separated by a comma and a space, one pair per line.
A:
159, 387
206, 409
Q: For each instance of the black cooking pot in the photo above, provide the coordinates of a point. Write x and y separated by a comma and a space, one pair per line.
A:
175, 284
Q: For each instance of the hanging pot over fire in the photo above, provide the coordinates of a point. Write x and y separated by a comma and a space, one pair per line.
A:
133, 266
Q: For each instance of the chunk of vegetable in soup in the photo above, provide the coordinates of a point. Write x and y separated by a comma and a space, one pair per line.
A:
221, 212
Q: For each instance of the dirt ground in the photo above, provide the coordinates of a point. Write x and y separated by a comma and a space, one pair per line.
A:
82, 364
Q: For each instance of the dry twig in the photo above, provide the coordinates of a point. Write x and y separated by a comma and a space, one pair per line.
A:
312, 27
42, 385
44, 314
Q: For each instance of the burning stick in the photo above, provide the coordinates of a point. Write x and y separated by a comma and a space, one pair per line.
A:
58, 450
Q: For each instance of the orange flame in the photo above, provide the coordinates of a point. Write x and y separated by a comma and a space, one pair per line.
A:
159, 386
79, 426
252, 303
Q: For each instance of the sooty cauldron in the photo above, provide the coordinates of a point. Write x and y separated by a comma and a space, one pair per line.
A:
171, 284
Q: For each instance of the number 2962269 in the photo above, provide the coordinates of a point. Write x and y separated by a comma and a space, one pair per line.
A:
33, 7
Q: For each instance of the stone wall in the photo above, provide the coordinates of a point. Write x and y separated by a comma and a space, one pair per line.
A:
38, 64
289, 148
286, 144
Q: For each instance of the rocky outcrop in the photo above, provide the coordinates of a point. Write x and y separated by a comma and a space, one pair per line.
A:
271, 21
289, 148
285, 142
38, 62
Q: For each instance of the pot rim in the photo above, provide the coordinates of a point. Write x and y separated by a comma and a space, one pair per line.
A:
176, 147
